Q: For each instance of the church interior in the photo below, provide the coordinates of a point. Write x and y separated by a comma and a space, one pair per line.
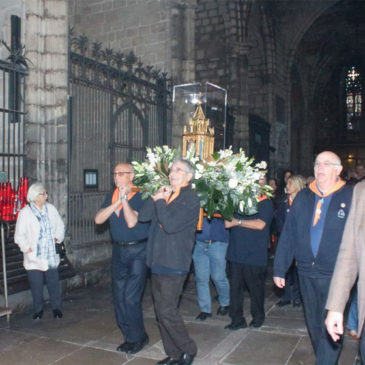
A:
87, 83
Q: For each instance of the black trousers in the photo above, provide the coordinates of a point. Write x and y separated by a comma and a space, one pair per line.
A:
128, 280
166, 292
314, 296
36, 280
253, 278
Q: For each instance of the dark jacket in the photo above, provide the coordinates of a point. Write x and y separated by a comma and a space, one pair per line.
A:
172, 232
295, 237
249, 246
280, 214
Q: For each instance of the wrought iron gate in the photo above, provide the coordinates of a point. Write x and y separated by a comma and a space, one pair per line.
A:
12, 101
118, 106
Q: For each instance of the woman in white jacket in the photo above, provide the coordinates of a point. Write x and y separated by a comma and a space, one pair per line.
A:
38, 228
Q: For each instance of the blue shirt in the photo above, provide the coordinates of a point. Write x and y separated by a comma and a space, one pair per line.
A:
118, 226
213, 230
317, 231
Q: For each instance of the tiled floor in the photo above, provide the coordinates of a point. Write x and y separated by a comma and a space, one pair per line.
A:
87, 334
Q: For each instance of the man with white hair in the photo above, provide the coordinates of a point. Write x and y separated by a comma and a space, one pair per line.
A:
312, 235
173, 212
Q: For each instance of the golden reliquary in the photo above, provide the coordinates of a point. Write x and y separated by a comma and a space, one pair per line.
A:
199, 134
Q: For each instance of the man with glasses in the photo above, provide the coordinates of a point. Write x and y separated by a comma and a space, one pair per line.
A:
173, 212
312, 235
129, 269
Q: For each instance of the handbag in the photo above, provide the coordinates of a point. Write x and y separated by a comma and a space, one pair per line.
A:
61, 249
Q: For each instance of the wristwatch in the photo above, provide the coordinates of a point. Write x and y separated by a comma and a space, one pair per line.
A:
124, 197
240, 222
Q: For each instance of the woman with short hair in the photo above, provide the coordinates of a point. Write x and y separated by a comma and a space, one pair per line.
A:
39, 226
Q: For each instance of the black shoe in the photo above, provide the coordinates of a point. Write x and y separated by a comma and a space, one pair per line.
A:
186, 359
296, 303
256, 324
282, 303
202, 316
222, 310
125, 347
38, 315
238, 325
168, 361
138, 346
57, 313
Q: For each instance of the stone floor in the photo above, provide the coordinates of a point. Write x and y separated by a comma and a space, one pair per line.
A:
87, 334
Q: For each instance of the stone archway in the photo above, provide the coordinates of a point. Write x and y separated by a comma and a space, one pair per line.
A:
326, 46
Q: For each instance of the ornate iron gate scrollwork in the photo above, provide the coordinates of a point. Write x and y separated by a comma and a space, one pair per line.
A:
118, 106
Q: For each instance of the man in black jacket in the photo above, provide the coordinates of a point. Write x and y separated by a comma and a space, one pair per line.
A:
173, 212
312, 235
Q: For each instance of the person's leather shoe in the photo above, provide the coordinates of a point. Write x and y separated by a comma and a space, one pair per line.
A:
222, 310
168, 361
282, 303
186, 359
202, 316
38, 315
138, 346
125, 346
255, 324
238, 325
57, 313
296, 303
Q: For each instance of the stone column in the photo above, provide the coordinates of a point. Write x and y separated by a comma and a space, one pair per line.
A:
46, 97
182, 20
239, 94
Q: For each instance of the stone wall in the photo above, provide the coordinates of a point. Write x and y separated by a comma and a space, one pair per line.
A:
141, 26
46, 97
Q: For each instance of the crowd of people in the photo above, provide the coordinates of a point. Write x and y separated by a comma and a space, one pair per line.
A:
313, 227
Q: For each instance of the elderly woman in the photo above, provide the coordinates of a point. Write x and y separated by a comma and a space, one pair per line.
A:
38, 228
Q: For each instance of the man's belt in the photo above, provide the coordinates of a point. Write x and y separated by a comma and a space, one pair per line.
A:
130, 243
209, 242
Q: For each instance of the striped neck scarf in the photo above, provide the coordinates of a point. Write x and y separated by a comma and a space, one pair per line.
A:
115, 198
175, 194
313, 186
46, 244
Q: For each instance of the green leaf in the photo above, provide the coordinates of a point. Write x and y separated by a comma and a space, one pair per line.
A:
210, 209
215, 155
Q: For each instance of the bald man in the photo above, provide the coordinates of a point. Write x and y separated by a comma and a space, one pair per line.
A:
312, 235
129, 269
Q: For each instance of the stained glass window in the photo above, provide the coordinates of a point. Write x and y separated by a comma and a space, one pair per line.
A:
353, 98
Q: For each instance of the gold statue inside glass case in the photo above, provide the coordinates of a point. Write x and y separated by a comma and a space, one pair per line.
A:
199, 134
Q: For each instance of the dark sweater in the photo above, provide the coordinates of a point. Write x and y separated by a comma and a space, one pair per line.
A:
295, 237
118, 226
249, 246
172, 232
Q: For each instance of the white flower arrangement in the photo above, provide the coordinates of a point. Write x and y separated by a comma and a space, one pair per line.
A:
227, 183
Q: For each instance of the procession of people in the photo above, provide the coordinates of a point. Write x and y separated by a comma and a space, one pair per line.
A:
317, 260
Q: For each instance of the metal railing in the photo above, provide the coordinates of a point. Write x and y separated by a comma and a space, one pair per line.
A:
12, 96
83, 207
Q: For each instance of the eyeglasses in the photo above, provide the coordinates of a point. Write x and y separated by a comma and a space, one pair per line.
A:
121, 173
45, 193
326, 164
178, 169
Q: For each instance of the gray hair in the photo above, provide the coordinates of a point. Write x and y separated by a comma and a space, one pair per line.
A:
127, 164
34, 190
189, 167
